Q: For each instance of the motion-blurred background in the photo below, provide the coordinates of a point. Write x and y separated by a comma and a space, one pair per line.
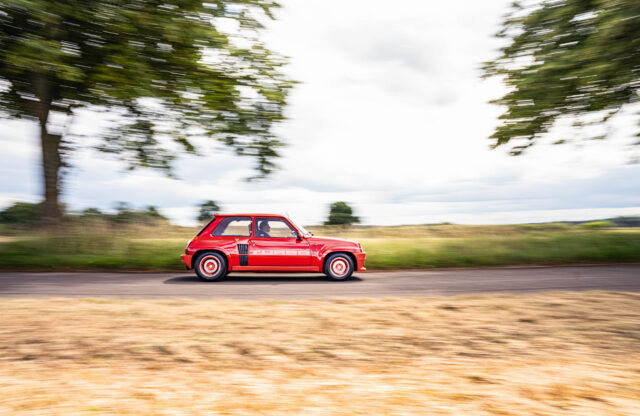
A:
150, 114
436, 133
389, 112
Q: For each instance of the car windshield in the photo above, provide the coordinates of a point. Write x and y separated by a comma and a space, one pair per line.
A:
301, 228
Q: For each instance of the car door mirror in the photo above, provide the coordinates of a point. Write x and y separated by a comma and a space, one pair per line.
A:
299, 236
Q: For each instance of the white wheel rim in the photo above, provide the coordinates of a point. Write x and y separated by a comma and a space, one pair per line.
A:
339, 267
209, 266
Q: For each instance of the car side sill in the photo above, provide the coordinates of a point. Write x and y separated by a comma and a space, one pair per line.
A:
274, 269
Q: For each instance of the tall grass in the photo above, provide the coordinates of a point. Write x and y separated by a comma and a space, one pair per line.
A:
82, 251
158, 248
502, 250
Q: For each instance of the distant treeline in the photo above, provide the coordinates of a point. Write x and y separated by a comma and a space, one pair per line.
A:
626, 221
27, 214
609, 222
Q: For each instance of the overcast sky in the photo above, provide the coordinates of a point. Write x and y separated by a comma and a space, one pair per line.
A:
390, 115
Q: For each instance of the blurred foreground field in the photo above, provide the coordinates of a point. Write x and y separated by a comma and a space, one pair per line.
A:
536, 354
95, 247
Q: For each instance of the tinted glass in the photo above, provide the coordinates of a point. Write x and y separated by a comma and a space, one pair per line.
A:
274, 228
233, 226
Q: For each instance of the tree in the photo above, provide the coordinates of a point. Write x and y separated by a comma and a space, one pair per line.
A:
152, 211
92, 213
165, 68
21, 213
566, 58
125, 214
207, 210
340, 213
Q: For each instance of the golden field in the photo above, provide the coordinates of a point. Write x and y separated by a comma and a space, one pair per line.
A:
535, 354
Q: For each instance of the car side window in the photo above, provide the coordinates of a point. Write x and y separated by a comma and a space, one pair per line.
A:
275, 228
233, 227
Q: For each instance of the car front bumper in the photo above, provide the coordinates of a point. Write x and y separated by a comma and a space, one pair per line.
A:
360, 258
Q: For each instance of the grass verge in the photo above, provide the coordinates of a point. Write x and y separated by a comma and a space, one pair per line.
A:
387, 247
552, 353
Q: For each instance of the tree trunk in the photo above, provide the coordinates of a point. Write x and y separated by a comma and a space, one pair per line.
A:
51, 160
51, 163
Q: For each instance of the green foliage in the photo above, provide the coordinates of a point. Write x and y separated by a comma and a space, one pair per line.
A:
626, 221
340, 213
598, 224
21, 213
92, 213
564, 58
207, 210
166, 68
89, 251
127, 215
541, 248
465, 247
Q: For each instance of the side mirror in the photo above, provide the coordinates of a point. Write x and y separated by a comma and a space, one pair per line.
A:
299, 238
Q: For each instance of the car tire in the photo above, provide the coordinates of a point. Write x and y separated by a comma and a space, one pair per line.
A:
210, 266
338, 266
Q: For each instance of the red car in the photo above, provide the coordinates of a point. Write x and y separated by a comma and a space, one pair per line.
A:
268, 242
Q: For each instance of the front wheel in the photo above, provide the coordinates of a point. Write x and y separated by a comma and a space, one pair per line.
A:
338, 266
211, 266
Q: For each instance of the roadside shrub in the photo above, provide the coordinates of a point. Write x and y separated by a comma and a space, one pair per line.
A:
21, 213
598, 224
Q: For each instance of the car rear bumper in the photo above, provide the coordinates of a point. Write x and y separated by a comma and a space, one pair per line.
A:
186, 259
360, 258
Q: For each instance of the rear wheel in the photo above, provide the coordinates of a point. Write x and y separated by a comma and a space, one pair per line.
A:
211, 266
338, 266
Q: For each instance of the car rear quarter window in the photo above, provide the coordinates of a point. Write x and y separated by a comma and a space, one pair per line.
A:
233, 227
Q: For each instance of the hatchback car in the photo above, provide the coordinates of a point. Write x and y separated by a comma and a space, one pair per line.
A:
268, 242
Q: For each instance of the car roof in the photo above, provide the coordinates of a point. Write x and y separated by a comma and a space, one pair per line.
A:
251, 215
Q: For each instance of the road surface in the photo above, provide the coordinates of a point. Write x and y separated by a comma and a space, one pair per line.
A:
302, 286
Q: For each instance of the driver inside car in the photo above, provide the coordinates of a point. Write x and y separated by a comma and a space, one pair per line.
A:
263, 229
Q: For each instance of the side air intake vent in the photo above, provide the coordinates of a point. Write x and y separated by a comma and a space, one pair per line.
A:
243, 250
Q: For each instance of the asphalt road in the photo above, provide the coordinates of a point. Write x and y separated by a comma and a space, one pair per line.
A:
302, 286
